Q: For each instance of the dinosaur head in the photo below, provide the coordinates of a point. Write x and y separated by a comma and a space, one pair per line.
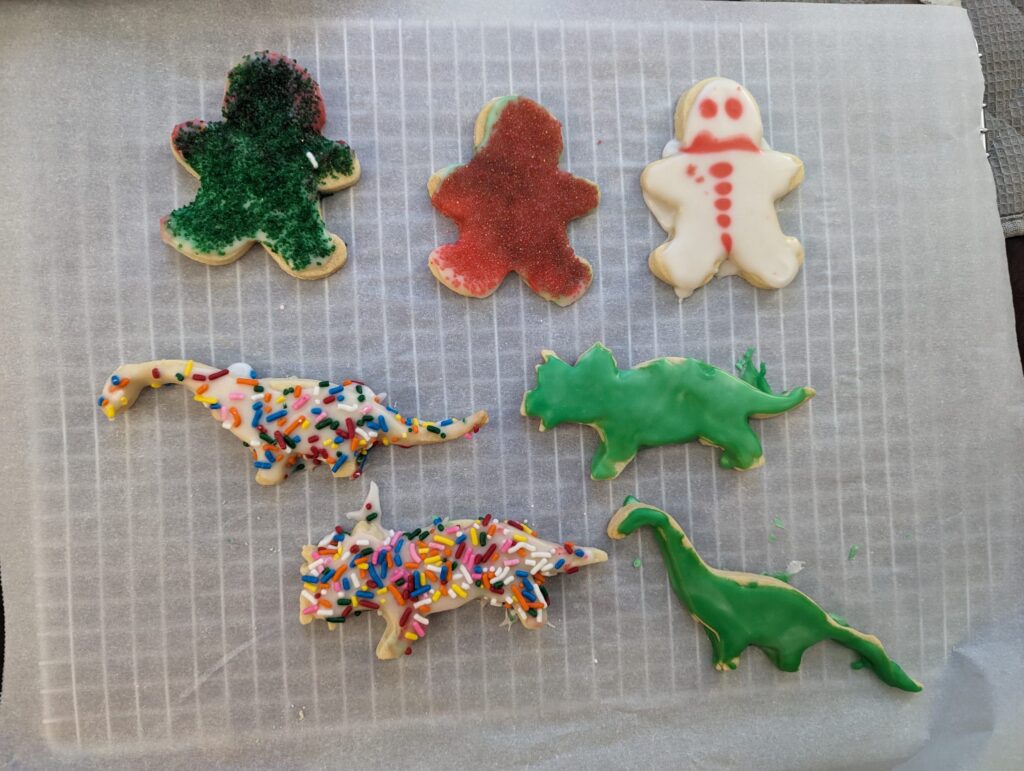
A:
567, 393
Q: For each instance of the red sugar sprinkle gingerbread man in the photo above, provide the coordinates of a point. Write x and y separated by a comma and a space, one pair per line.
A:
512, 205
714, 193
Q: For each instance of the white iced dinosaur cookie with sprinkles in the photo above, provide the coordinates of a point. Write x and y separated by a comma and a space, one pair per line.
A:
288, 423
714, 193
407, 577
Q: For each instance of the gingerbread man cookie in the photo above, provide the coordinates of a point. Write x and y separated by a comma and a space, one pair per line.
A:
408, 577
287, 423
714, 193
512, 204
262, 170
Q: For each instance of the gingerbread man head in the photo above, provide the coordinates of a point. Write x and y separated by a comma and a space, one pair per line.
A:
267, 89
718, 114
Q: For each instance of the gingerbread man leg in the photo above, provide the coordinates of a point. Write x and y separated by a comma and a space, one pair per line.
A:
466, 270
687, 263
562, 280
768, 263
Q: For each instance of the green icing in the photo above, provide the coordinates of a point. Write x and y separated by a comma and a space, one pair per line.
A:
853, 552
779, 523
738, 610
664, 401
257, 181
780, 576
493, 113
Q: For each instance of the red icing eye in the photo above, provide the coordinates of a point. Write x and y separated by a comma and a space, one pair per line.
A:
723, 188
733, 108
708, 108
724, 220
720, 170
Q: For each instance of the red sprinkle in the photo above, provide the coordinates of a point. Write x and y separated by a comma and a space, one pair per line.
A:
217, 374
197, 376
156, 373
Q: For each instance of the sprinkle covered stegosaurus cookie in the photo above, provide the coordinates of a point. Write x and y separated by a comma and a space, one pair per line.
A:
262, 171
738, 610
714, 193
287, 423
664, 401
512, 204
407, 577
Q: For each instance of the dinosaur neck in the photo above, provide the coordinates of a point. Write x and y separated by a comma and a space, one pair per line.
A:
686, 570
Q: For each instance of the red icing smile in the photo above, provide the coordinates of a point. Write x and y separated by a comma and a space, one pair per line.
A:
512, 205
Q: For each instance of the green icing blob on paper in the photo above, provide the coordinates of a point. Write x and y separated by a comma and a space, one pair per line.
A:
853, 552
257, 179
738, 610
663, 401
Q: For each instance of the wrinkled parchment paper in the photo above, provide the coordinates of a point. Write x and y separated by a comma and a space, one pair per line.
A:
151, 587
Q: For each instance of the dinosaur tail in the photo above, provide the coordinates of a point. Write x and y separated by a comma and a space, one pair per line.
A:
127, 382
427, 432
873, 656
774, 404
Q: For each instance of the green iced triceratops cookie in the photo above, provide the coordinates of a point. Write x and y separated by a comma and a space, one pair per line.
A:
663, 401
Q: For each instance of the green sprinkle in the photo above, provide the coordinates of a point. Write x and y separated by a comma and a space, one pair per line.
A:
853, 552
779, 523
371, 517
771, 537
258, 389
180, 377
324, 383
636, 563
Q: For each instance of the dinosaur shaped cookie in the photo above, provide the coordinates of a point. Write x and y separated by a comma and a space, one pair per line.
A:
714, 193
262, 172
738, 610
512, 205
663, 401
288, 422
407, 577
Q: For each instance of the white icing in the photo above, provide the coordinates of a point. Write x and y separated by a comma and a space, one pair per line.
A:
680, 190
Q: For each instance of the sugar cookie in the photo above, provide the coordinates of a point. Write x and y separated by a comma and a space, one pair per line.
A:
738, 610
512, 205
407, 577
286, 422
663, 401
714, 193
262, 170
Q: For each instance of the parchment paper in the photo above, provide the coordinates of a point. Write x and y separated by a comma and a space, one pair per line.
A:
151, 586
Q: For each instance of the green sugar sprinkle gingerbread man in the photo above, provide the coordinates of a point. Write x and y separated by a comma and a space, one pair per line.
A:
738, 610
664, 401
262, 171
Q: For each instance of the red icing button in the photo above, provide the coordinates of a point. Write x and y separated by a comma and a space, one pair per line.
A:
723, 169
724, 220
512, 205
727, 242
733, 108
723, 188
691, 170
708, 108
722, 204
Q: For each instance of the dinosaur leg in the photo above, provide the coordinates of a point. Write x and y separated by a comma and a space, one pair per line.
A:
273, 475
390, 646
613, 455
466, 269
742, 451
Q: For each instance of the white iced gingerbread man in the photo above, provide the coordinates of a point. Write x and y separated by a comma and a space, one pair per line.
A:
714, 192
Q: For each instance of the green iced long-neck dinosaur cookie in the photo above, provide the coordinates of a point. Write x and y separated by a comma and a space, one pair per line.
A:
742, 609
663, 401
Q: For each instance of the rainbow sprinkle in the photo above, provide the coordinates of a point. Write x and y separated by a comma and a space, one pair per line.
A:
408, 576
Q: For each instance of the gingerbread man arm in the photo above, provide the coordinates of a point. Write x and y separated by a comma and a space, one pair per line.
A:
455, 204
660, 182
335, 161
186, 142
783, 172
581, 195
